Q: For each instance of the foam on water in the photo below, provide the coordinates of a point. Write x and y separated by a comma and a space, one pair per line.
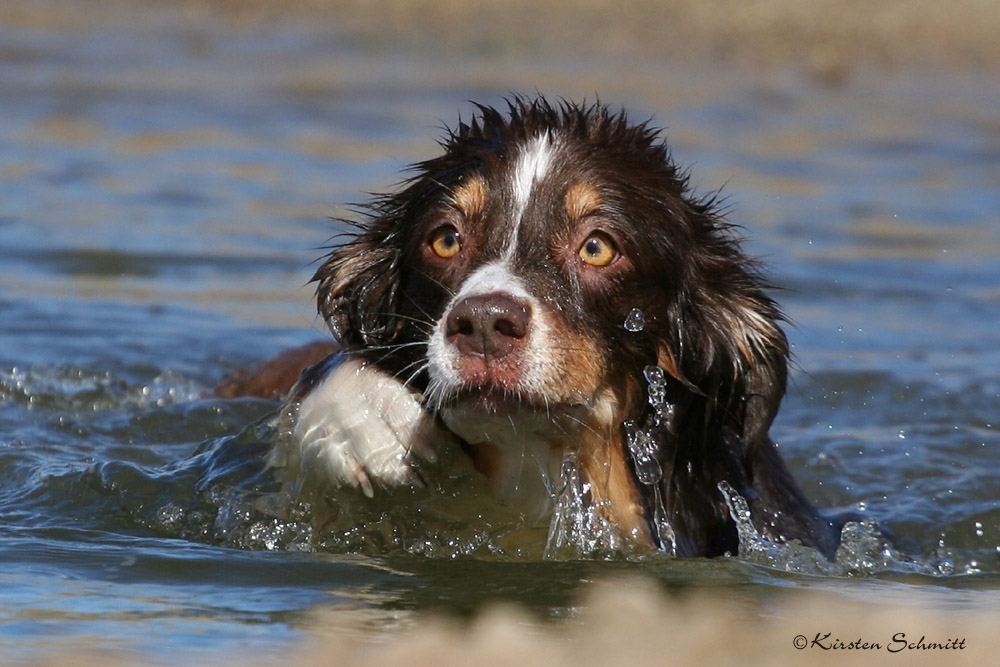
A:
78, 389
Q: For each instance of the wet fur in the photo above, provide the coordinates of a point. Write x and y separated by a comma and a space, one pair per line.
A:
708, 321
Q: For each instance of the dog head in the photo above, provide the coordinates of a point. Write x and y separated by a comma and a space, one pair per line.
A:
501, 276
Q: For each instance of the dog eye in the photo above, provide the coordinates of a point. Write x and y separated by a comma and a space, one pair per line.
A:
598, 250
445, 242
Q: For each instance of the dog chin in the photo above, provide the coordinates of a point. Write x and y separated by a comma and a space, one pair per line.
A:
490, 400
504, 417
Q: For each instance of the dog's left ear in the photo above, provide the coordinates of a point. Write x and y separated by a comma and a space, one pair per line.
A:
758, 351
358, 287
731, 350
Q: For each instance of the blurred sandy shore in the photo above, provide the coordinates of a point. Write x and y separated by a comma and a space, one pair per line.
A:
824, 36
631, 623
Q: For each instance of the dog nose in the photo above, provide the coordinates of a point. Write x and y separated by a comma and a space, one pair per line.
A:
489, 325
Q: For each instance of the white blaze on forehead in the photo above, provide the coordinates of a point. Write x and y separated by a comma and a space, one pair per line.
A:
532, 165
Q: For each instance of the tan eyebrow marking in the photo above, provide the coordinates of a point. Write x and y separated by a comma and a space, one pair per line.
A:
582, 199
470, 197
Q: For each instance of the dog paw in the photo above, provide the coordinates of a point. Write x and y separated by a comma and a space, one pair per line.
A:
359, 427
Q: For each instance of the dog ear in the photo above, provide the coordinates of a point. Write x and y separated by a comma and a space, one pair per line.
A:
358, 286
758, 350
726, 331
728, 348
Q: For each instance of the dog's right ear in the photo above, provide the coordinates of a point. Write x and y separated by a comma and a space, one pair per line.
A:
358, 287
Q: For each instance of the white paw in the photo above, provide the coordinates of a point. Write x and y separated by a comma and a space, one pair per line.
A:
358, 427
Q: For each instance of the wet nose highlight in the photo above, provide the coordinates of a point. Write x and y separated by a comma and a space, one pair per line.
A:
490, 325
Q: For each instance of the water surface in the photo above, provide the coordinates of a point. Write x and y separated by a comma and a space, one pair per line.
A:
165, 186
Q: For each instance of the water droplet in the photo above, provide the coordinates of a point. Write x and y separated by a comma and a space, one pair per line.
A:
648, 471
642, 446
654, 375
636, 321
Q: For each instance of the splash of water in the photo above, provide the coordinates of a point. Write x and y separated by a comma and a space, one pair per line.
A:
643, 448
578, 526
863, 551
756, 548
751, 541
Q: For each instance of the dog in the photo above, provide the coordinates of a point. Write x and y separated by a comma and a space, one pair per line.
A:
549, 286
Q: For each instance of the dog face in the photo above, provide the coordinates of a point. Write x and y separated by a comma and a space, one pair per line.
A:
498, 282
524, 275
501, 276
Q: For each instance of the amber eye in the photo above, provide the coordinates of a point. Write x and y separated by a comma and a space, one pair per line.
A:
598, 250
445, 242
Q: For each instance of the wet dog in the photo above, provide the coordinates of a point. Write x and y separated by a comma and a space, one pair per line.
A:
549, 286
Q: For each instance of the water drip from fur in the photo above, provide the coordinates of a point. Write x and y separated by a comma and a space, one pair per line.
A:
641, 440
636, 321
